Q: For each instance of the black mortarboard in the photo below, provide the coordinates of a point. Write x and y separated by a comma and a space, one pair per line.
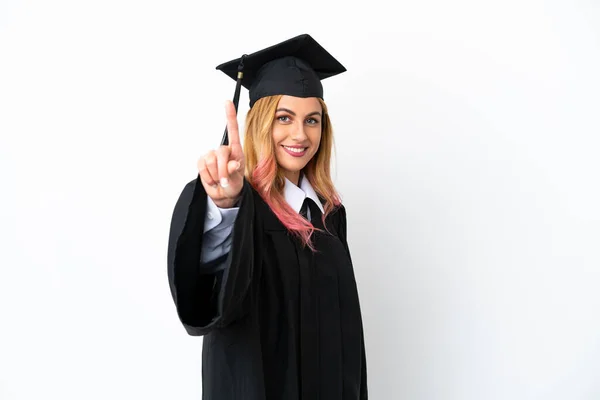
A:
294, 67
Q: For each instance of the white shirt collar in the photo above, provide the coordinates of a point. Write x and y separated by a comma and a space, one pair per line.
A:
295, 195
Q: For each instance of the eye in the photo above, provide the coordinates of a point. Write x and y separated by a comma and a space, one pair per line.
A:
312, 121
283, 118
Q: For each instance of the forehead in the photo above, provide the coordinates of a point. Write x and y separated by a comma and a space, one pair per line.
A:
300, 103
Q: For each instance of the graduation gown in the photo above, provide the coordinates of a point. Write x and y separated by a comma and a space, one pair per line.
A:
279, 322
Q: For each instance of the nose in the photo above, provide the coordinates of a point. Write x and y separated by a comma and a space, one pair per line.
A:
298, 133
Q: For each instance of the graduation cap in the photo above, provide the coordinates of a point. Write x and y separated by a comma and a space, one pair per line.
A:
294, 67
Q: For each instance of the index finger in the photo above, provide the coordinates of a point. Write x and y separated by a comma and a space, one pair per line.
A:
233, 133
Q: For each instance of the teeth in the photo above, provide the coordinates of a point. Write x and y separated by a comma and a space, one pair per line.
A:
295, 150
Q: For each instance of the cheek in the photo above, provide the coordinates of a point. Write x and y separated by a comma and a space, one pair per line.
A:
278, 134
315, 139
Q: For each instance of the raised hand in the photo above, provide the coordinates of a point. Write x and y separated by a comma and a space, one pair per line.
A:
222, 170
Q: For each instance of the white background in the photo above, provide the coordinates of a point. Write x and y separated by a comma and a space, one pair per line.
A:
467, 139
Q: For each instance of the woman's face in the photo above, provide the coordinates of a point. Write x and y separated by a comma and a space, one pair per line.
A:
296, 133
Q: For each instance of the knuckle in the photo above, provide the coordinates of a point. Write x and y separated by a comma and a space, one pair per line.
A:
224, 151
205, 176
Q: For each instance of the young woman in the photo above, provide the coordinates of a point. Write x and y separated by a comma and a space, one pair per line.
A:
258, 258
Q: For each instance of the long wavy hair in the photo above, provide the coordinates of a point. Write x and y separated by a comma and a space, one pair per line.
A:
267, 177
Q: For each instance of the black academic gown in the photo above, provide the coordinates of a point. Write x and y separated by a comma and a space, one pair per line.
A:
279, 322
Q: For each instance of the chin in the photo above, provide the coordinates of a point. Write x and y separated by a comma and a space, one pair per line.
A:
292, 167
291, 163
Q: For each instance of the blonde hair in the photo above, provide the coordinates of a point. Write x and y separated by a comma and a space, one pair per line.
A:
267, 177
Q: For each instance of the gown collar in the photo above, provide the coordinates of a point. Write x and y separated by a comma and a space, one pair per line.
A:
295, 195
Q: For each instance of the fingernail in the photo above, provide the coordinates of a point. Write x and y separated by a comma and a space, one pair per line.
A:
238, 165
224, 182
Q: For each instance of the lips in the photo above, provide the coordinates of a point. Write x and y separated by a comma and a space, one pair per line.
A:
295, 151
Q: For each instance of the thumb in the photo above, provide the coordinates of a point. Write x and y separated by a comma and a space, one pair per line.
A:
233, 166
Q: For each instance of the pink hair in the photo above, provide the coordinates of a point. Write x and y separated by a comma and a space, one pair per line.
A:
268, 179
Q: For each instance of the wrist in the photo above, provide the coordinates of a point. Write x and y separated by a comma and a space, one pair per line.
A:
227, 203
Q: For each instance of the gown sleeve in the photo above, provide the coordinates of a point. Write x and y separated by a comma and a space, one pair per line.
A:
217, 238
207, 299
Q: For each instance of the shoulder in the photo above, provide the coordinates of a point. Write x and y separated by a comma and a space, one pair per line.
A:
339, 212
263, 213
337, 219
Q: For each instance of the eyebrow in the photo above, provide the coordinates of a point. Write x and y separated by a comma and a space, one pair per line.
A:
294, 114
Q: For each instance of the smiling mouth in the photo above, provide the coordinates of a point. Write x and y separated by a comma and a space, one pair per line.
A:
295, 151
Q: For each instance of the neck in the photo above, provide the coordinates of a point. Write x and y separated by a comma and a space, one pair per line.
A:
293, 177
